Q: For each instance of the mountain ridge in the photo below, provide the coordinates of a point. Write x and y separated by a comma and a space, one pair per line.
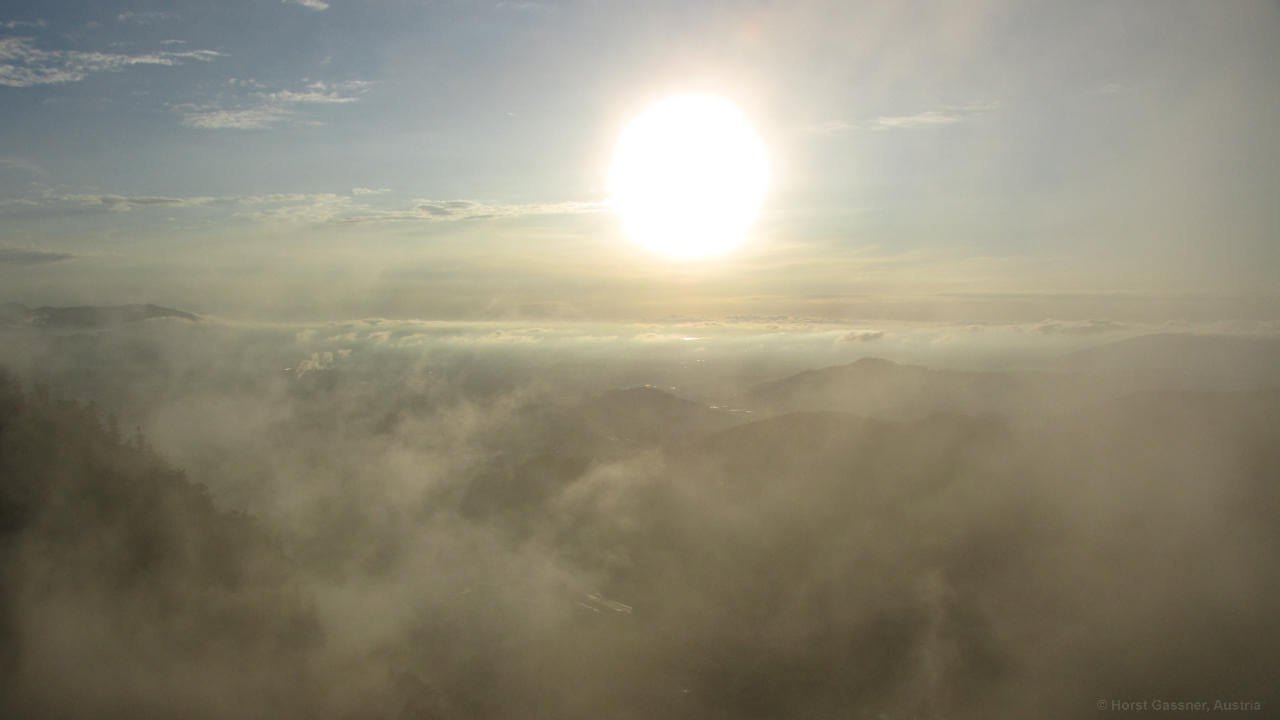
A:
87, 316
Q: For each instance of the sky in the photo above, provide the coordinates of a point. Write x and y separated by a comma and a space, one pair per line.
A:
964, 162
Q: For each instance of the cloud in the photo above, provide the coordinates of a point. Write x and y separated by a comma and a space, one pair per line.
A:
24, 165
27, 256
319, 361
520, 6
15, 24
829, 127
22, 64
145, 17
314, 207
317, 5
519, 336
260, 109
449, 210
932, 118
360, 205
1079, 327
320, 97
122, 203
920, 119
862, 336
212, 119
310, 208
51, 203
436, 516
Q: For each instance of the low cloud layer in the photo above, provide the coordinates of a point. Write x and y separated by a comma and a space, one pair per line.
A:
27, 256
450, 519
862, 336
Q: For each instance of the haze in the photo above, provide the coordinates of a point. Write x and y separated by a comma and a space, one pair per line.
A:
331, 385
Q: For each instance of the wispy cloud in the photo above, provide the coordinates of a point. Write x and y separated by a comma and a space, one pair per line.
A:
862, 336
289, 207
317, 5
927, 118
28, 256
122, 203
145, 17
520, 6
15, 24
53, 203
24, 165
297, 207
451, 210
262, 109
23, 64
359, 205
829, 127
932, 118
1078, 327
313, 97
214, 119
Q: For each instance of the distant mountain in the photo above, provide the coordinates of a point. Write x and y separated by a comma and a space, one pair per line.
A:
1166, 423
794, 435
879, 388
12, 313
1186, 359
649, 415
813, 449
86, 316
101, 316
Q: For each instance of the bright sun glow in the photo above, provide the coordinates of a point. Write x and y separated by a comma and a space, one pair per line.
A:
688, 176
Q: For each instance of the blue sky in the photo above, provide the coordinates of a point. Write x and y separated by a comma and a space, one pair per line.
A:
428, 159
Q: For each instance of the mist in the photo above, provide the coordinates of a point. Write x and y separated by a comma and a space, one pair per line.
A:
355, 364
412, 519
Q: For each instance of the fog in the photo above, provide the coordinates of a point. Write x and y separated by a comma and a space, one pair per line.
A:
766, 517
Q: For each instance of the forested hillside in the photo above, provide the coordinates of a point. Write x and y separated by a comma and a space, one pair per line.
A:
124, 590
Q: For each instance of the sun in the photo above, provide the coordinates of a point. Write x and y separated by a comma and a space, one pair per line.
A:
688, 176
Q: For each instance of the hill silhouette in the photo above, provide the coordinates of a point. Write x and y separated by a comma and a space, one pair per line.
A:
86, 316
648, 415
1231, 361
875, 387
